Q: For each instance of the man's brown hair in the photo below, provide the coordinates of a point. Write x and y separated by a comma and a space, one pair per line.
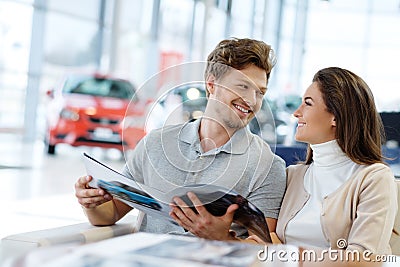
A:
239, 53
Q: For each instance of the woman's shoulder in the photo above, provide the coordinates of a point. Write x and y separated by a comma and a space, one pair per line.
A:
296, 172
377, 169
377, 174
300, 167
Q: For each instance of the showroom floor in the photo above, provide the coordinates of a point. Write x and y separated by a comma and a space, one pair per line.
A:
37, 190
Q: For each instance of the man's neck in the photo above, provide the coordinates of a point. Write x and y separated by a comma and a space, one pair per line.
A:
213, 134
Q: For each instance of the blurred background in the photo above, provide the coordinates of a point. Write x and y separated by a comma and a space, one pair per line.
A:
54, 52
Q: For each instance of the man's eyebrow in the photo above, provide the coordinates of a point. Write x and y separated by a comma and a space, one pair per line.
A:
263, 89
251, 83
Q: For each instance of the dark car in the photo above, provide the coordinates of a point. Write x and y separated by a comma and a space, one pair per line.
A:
129, 193
90, 110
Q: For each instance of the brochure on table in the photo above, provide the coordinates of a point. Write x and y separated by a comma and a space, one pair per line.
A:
150, 250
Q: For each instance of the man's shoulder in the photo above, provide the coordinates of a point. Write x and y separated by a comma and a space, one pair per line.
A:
259, 143
164, 131
265, 148
270, 161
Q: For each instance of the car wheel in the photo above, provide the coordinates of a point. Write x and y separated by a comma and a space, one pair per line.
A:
51, 149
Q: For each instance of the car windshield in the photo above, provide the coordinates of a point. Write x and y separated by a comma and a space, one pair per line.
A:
99, 87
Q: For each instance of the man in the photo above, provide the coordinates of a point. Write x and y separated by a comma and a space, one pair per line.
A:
216, 149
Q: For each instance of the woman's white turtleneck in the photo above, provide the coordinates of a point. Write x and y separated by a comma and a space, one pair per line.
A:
329, 170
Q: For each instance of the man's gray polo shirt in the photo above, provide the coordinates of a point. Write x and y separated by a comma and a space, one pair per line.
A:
172, 156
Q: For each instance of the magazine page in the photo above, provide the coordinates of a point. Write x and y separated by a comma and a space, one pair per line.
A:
132, 193
217, 199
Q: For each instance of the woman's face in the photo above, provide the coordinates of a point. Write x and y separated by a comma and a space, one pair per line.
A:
315, 124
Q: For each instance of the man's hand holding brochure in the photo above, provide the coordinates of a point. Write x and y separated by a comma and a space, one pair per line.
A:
215, 199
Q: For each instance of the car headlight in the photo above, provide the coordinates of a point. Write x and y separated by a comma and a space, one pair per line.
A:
69, 114
193, 93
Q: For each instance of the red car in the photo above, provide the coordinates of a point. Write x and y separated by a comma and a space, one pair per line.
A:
92, 110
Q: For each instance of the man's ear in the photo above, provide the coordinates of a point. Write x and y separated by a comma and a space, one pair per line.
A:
210, 84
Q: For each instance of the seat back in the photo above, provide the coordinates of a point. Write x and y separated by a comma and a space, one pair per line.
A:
291, 154
395, 239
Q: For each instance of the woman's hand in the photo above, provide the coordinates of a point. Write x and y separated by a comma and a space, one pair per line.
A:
254, 239
203, 224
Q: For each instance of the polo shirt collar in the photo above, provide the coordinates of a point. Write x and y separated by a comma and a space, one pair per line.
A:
238, 144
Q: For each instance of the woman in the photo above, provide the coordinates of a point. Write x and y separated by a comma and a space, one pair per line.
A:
343, 195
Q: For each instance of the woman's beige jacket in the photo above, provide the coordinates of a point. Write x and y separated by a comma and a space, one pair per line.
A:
361, 211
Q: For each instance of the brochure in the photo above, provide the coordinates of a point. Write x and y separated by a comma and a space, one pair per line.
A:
150, 250
216, 199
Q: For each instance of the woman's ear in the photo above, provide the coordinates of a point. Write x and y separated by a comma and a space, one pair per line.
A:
333, 122
210, 84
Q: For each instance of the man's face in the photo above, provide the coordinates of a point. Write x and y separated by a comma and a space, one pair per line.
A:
237, 96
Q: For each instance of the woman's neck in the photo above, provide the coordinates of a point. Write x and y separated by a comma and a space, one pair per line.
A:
328, 154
